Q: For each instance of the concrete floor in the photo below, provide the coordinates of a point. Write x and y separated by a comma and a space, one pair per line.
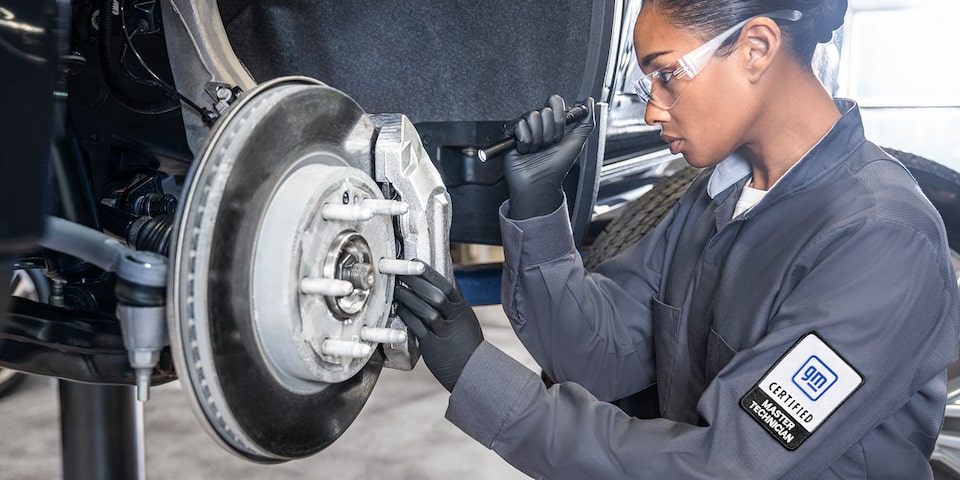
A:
400, 434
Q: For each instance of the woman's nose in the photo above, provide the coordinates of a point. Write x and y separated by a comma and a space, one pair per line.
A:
655, 115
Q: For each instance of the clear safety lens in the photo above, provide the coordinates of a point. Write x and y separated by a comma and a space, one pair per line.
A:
662, 87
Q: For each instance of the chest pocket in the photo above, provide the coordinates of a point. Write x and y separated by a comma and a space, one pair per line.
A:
719, 354
666, 338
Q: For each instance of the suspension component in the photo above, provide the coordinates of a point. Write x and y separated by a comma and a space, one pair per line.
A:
151, 233
140, 290
141, 308
135, 208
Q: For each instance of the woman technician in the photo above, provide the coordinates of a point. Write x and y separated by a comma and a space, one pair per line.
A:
795, 312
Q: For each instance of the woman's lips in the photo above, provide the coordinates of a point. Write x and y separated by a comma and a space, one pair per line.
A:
675, 143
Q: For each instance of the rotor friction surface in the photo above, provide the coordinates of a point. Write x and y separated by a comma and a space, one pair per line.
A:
213, 338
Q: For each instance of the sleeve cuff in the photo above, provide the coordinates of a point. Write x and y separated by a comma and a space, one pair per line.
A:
489, 386
540, 239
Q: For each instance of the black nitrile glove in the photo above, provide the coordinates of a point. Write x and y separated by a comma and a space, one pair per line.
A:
448, 330
543, 157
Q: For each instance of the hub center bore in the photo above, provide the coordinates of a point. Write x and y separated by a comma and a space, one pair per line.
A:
350, 260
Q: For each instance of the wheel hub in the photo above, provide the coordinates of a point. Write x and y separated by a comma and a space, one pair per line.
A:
316, 258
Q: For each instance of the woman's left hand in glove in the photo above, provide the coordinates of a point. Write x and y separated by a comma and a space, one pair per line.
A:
435, 311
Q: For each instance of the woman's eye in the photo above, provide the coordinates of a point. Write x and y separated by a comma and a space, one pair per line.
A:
665, 77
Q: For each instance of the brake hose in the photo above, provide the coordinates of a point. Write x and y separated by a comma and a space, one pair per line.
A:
112, 76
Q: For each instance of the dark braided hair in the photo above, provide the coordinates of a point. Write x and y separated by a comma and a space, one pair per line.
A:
708, 18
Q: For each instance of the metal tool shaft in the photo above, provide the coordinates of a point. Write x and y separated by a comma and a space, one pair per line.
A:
571, 116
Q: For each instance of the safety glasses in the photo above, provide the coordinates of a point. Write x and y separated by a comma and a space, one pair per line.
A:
664, 86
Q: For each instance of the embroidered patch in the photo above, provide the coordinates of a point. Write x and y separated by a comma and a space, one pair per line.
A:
801, 391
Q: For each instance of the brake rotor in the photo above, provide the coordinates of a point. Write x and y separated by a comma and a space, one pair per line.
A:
275, 300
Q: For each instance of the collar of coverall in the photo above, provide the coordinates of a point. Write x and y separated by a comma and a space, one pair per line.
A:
848, 129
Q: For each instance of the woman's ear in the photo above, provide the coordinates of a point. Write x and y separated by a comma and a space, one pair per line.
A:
762, 40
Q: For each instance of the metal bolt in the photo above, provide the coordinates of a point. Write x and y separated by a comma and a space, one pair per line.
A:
360, 275
400, 267
170, 204
386, 207
327, 287
383, 335
143, 362
341, 348
143, 384
224, 93
346, 212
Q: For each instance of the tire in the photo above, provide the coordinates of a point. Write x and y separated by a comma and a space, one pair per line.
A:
9, 379
31, 284
639, 217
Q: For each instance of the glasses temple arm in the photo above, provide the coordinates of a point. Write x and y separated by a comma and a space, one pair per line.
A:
693, 62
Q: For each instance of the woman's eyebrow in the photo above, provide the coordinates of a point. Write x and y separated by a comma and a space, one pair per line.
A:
647, 60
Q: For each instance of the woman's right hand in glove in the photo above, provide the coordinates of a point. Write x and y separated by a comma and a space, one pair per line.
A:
545, 152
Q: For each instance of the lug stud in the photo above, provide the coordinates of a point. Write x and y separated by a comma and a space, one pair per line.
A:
344, 349
386, 207
325, 286
400, 267
383, 335
353, 213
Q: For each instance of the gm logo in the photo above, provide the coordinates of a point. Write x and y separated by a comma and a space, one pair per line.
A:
814, 378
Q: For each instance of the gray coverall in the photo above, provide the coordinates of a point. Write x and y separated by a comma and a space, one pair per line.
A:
734, 320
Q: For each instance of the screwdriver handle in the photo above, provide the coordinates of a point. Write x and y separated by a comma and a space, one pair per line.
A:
571, 116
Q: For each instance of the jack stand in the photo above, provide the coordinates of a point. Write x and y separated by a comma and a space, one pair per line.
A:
101, 432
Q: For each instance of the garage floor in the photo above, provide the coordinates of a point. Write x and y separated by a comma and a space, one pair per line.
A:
400, 434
